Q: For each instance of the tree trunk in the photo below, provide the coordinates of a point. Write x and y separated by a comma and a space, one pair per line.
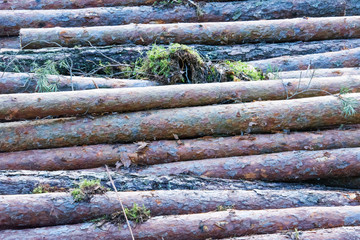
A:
9, 42
27, 82
191, 122
36, 210
86, 59
205, 225
24, 182
314, 73
319, 234
341, 59
216, 33
29, 106
158, 152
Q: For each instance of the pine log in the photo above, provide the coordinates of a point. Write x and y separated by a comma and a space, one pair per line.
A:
27, 82
87, 59
204, 225
318, 234
314, 73
283, 166
36, 210
157, 152
9, 42
213, 33
191, 122
39, 105
341, 59
24, 182
12, 20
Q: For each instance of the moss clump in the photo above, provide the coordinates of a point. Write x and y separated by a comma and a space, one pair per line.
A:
224, 207
242, 71
45, 188
86, 190
175, 64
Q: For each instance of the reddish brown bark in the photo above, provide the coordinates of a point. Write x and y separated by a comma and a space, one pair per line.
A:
36, 210
283, 166
232, 119
157, 152
204, 225
26, 82
341, 59
28, 106
320, 234
217, 33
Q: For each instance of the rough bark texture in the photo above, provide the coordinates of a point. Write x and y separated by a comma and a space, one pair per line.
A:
37, 210
29, 106
87, 59
232, 119
204, 225
157, 152
314, 73
26, 82
12, 20
216, 33
348, 233
283, 166
24, 182
9, 42
341, 59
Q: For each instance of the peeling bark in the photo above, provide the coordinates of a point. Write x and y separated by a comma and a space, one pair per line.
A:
319, 234
158, 152
341, 59
191, 122
283, 166
314, 73
204, 225
26, 82
24, 182
38, 210
213, 33
39, 105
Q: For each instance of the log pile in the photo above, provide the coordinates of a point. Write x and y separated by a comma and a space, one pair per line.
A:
271, 159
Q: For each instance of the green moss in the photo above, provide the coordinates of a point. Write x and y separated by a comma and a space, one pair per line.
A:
86, 189
240, 67
137, 214
77, 195
224, 207
39, 189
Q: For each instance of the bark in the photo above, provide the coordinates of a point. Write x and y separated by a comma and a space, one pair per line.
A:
349, 182
283, 166
215, 33
341, 59
27, 82
9, 42
319, 234
37, 210
204, 225
158, 152
314, 73
191, 122
29, 106
86, 59
24, 182
12, 20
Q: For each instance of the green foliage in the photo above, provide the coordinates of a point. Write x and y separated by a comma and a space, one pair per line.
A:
86, 189
78, 195
107, 68
240, 67
137, 214
41, 76
348, 103
224, 207
39, 189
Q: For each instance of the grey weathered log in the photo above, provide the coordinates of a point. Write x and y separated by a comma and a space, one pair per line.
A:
27, 83
340, 59
24, 182
211, 33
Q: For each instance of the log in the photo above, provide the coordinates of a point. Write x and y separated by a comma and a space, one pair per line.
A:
314, 73
9, 42
341, 59
24, 182
29, 106
212, 33
205, 225
12, 20
36, 210
191, 122
319, 234
283, 166
27, 82
157, 152
86, 59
